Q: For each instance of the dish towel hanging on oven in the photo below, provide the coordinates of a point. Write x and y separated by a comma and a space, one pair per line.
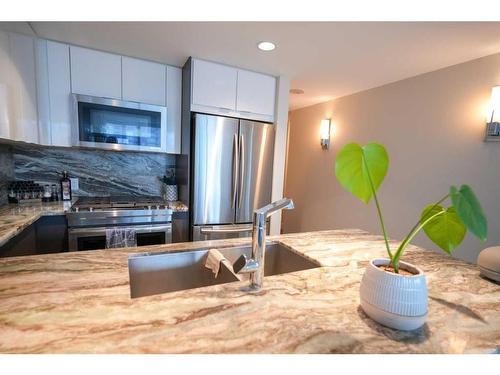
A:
120, 237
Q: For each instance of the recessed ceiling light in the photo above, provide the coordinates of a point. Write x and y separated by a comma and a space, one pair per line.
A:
266, 46
296, 91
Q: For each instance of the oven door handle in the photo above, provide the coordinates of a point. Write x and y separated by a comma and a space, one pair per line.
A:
138, 229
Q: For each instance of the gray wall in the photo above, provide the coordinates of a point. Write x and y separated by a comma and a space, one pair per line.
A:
99, 172
433, 127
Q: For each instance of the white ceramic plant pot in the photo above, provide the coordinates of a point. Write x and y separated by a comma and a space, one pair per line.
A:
394, 300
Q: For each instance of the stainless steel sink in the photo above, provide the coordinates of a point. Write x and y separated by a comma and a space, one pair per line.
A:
155, 273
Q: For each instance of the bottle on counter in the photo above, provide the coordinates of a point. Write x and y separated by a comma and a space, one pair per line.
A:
54, 193
65, 187
46, 194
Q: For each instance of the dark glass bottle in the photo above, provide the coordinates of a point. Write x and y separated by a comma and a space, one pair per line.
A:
65, 187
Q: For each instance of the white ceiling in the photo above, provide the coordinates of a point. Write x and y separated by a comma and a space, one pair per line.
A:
325, 59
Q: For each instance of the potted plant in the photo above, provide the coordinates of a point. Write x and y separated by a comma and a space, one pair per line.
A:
169, 185
394, 292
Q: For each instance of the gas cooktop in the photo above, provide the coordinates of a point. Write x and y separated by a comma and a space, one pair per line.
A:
119, 202
118, 210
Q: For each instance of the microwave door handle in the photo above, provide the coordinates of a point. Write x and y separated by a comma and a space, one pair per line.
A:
235, 170
242, 168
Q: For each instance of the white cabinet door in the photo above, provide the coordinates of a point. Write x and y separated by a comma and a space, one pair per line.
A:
6, 110
214, 85
95, 73
174, 110
22, 54
256, 93
61, 107
143, 81
55, 108
42, 80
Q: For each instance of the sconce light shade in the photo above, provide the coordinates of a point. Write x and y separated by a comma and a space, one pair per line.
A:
324, 134
493, 125
495, 102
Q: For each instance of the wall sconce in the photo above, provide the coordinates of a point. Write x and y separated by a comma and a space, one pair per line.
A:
324, 134
493, 126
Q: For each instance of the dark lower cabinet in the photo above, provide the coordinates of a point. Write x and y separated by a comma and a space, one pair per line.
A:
47, 235
180, 227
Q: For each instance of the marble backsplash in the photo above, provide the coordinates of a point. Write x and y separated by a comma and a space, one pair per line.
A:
100, 173
6, 171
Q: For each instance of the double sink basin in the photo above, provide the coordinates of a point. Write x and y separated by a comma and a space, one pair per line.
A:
156, 273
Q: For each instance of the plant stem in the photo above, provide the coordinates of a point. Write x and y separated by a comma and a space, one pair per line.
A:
407, 239
379, 211
434, 206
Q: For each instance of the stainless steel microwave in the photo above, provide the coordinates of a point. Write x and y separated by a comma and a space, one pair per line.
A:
119, 125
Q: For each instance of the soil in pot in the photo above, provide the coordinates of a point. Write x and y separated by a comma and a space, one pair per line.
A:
390, 269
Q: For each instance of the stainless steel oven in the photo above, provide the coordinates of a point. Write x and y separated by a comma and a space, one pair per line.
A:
90, 217
119, 125
94, 238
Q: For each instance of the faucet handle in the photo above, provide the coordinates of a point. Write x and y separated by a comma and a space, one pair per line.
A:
245, 265
240, 263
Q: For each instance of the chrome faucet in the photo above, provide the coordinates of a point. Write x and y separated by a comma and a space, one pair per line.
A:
255, 265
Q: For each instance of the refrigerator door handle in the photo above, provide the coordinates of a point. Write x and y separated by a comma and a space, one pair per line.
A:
235, 169
207, 230
242, 168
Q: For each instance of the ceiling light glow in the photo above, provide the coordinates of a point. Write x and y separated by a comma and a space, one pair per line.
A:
266, 46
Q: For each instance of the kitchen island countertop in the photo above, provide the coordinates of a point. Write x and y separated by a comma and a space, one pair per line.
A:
80, 303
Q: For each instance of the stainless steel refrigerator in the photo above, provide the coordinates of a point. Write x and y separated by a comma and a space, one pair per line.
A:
232, 174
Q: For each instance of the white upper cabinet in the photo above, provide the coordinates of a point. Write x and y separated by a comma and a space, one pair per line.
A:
174, 109
6, 110
225, 90
42, 76
214, 85
39, 77
95, 73
55, 108
23, 88
61, 107
143, 81
256, 93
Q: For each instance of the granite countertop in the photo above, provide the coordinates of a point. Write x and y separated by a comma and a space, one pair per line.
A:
16, 217
80, 303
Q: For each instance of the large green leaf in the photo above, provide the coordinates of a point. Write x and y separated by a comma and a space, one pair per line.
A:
469, 210
351, 168
445, 230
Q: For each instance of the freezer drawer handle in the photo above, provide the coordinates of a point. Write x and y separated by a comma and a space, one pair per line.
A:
233, 230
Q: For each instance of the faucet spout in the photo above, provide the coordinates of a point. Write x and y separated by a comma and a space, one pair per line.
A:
261, 214
255, 266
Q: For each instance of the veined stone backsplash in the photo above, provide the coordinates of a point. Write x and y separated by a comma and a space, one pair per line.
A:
99, 172
6, 171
